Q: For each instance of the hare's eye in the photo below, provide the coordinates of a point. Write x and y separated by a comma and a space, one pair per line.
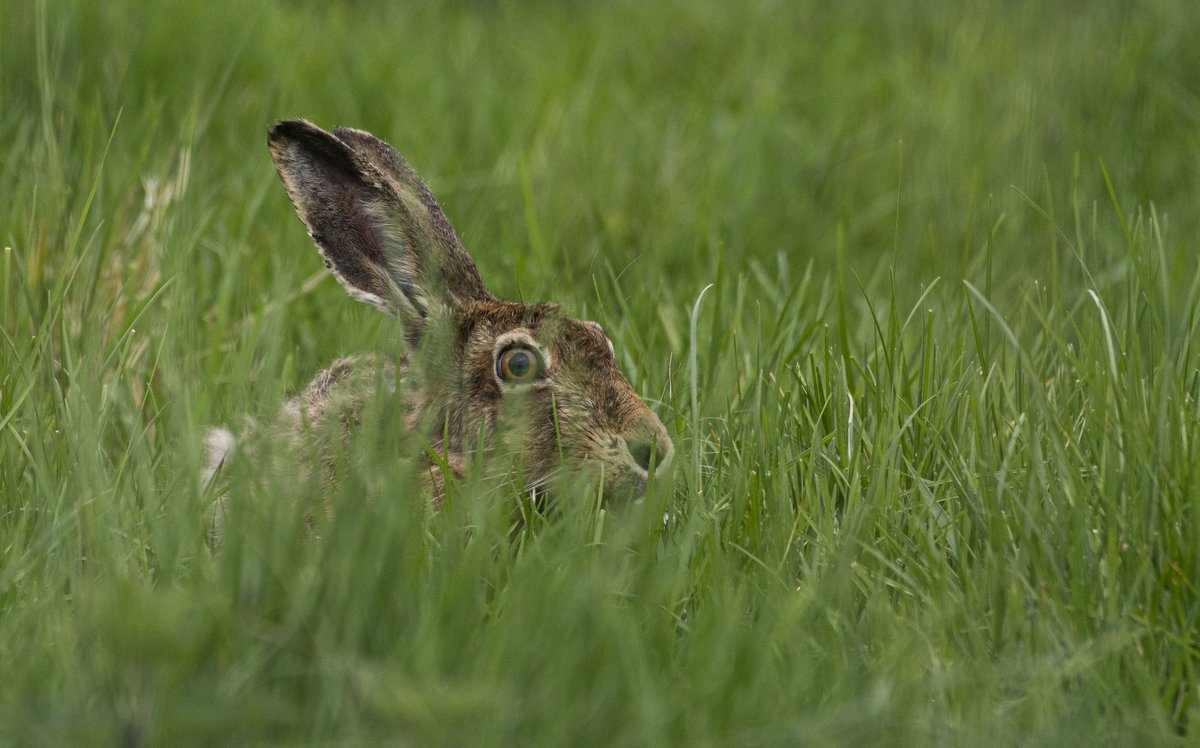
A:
518, 365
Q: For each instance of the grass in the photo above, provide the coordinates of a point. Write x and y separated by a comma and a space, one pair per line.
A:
938, 415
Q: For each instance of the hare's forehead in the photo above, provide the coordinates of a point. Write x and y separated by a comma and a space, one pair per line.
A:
482, 321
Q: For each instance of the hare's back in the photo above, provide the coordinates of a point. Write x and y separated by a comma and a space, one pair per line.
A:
346, 387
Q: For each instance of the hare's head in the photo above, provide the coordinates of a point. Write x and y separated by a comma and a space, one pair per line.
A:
524, 376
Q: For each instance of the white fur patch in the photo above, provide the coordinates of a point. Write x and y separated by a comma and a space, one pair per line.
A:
218, 445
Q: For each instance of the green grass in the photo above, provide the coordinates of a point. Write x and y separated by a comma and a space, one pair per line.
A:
938, 417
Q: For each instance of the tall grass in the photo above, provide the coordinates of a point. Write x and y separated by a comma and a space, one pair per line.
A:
916, 292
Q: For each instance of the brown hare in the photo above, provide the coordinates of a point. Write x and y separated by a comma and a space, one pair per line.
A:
477, 371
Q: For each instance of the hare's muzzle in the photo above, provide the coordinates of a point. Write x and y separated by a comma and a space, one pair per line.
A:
648, 446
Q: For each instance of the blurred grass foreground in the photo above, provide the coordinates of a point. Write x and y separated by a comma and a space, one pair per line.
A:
937, 418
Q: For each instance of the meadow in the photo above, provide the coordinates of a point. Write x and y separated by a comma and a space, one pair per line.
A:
914, 287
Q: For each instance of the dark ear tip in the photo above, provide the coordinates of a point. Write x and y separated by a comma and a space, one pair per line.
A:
297, 130
301, 136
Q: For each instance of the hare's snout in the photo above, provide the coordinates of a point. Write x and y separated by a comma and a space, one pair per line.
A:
629, 457
648, 446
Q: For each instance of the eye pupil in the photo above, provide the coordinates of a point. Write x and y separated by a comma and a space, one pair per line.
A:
519, 364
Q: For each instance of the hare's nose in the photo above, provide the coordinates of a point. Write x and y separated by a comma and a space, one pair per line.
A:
647, 448
641, 451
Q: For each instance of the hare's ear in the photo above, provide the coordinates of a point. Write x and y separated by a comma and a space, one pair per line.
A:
378, 227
